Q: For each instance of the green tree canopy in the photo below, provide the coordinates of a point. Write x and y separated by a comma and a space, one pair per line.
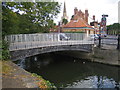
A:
64, 21
28, 17
114, 28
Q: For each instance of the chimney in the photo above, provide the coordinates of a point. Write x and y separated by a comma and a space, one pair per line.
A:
80, 13
83, 16
75, 11
86, 16
94, 17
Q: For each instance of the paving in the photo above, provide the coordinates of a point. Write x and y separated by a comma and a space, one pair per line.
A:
18, 78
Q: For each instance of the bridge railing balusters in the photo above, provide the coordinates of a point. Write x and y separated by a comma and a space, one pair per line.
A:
27, 41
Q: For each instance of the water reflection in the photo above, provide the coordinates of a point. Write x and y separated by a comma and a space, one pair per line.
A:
69, 72
93, 82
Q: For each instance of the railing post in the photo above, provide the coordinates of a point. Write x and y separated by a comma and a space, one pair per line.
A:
58, 36
118, 45
99, 45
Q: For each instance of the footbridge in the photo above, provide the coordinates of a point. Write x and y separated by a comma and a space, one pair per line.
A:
26, 45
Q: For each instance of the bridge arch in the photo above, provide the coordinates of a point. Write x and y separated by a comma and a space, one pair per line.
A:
19, 54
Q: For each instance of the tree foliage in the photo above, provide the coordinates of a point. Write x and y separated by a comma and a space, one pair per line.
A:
5, 51
35, 17
64, 21
114, 28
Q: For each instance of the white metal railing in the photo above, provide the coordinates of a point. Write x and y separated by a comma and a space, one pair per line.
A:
27, 41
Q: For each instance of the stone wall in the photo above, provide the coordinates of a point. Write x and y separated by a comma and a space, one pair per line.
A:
106, 56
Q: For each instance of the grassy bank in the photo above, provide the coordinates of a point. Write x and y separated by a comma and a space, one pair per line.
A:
6, 68
44, 83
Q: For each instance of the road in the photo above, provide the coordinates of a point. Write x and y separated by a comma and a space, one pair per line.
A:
109, 40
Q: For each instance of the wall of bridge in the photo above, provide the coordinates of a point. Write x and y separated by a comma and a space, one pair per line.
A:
20, 54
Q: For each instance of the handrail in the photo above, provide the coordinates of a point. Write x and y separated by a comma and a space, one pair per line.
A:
28, 41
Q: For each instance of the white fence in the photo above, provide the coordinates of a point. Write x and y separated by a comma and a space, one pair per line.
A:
27, 41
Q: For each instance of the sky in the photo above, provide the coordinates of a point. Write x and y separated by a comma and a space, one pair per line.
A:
94, 7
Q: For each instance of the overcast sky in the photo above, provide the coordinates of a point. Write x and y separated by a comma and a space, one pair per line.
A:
95, 7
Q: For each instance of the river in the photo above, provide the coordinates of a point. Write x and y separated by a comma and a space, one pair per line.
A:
70, 72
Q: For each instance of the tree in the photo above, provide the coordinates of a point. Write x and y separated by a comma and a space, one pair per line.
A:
9, 21
36, 16
64, 21
114, 28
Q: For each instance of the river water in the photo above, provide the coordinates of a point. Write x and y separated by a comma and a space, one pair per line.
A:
69, 72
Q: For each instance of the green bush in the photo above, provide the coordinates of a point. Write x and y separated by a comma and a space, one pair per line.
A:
5, 51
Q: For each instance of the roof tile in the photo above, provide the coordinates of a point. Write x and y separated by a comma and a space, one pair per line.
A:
77, 23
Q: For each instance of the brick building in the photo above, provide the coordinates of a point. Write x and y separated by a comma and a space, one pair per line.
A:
78, 23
